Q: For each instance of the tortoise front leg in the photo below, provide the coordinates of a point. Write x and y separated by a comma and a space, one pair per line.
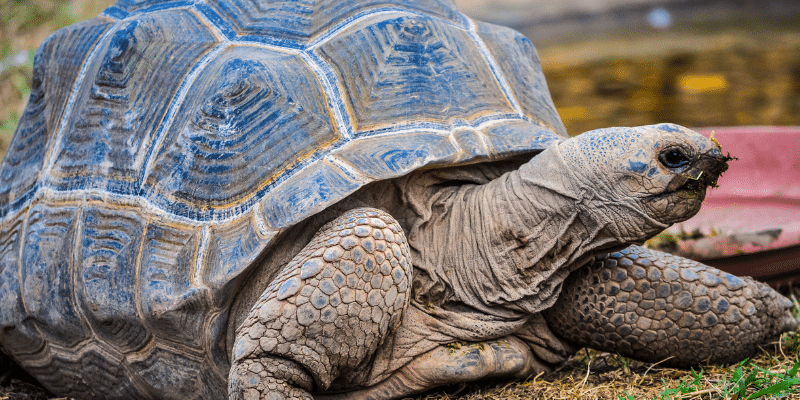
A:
326, 312
655, 306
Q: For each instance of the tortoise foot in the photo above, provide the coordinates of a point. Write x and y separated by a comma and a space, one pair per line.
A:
269, 378
508, 357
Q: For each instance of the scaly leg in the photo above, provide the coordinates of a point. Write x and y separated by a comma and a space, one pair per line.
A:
326, 312
653, 306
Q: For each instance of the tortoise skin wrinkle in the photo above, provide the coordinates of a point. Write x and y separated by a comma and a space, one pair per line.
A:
337, 199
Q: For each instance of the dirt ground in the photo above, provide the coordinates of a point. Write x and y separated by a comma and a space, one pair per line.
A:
596, 376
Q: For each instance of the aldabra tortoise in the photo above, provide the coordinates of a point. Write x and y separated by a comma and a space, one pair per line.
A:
270, 200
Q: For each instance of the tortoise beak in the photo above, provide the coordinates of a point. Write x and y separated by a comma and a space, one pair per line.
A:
704, 172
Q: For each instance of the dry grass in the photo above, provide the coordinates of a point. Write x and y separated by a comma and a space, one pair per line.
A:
595, 376
607, 376
770, 374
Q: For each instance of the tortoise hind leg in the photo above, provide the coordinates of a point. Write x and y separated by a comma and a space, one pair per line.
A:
327, 311
655, 306
505, 358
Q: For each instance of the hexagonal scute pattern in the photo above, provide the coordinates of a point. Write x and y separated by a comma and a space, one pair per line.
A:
518, 60
204, 108
67, 371
335, 302
110, 130
301, 22
26, 157
106, 275
655, 307
173, 306
412, 68
17, 333
189, 376
46, 274
254, 115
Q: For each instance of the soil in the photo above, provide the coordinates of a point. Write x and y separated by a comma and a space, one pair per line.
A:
16, 384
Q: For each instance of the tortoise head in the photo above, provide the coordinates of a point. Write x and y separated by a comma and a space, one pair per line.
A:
659, 172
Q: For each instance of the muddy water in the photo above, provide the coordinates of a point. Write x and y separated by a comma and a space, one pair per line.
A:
734, 73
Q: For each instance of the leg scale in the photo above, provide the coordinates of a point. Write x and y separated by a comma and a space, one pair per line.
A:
655, 306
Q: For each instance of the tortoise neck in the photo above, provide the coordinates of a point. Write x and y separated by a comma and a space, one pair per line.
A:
505, 247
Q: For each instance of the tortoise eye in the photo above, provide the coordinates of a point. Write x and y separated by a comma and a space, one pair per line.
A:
673, 158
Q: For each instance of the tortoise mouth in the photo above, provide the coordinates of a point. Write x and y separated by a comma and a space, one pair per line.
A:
687, 187
676, 205
681, 199
703, 173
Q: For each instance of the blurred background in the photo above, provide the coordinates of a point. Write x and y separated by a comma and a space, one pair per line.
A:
24, 24
607, 62
633, 62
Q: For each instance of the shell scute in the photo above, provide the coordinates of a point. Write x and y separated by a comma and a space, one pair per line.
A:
109, 249
47, 268
472, 143
390, 156
307, 192
173, 305
56, 68
122, 102
303, 22
412, 68
66, 373
518, 60
232, 249
253, 115
16, 333
519, 137
190, 376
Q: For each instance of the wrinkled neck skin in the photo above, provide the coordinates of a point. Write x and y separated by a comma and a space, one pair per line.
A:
492, 255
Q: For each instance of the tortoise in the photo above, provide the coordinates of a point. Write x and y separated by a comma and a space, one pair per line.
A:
355, 199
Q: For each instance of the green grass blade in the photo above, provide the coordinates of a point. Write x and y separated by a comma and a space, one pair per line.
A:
776, 388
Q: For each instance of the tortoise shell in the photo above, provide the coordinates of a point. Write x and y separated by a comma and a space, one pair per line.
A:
166, 144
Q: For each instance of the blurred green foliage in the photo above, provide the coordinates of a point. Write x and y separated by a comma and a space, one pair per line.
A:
24, 24
19, 18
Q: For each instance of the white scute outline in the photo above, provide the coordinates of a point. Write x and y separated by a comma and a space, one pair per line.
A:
326, 76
